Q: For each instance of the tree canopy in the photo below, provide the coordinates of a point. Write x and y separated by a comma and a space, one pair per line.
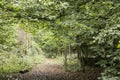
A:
90, 26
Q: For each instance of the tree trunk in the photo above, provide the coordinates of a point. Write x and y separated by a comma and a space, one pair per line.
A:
65, 60
80, 56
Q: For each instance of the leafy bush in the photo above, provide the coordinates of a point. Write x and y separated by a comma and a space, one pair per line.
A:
11, 63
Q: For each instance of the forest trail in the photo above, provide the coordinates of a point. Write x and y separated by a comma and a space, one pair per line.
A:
49, 65
51, 69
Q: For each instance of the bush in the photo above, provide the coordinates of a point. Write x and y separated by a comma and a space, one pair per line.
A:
11, 63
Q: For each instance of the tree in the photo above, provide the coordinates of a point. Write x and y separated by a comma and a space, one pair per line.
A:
90, 26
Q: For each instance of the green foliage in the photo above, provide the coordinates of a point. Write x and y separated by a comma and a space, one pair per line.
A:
11, 63
118, 46
92, 25
73, 63
8, 37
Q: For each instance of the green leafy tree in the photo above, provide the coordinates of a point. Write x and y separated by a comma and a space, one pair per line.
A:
92, 27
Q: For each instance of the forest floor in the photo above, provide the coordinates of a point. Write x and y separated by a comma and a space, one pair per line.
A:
52, 69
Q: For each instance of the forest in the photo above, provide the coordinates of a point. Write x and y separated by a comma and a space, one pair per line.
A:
59, 39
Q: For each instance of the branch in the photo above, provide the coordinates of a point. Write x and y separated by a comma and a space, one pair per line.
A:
97, 17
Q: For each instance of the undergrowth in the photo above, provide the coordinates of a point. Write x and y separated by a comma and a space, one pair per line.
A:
11, 63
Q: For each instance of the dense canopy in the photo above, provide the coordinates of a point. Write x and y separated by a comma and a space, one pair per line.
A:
88, 28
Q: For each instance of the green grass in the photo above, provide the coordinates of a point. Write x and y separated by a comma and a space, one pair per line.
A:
11, 63
73, 65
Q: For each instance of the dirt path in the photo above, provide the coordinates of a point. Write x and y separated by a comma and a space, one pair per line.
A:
49, 65
52, 70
